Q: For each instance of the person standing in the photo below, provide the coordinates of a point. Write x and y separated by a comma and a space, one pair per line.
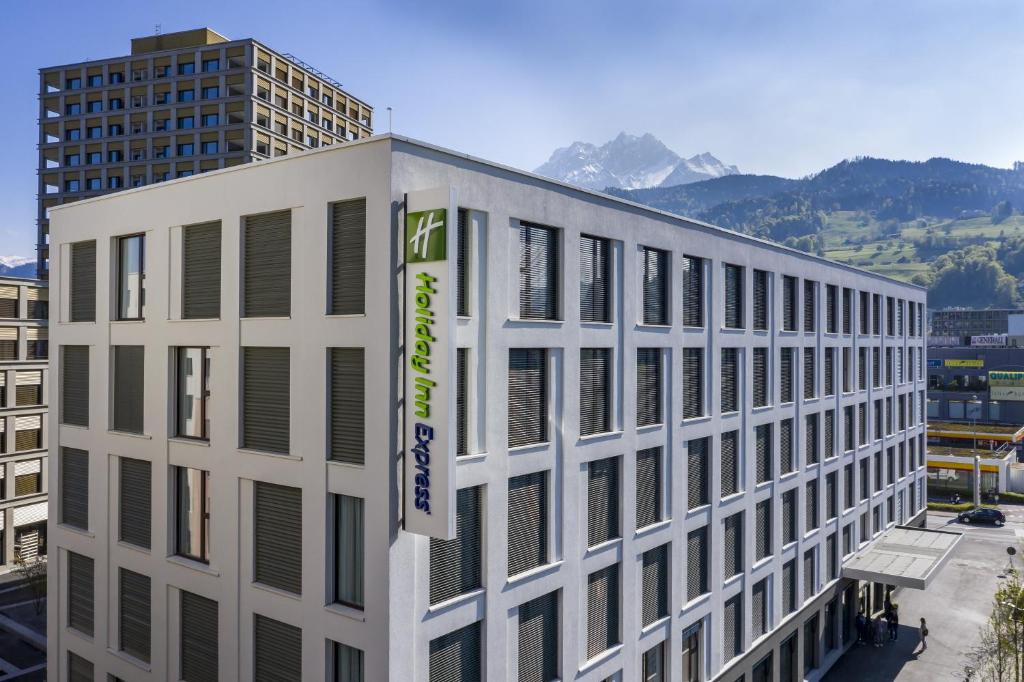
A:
879, 631
924, 635
862, 637
894, 624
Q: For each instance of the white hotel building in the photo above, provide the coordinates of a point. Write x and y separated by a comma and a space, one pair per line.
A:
675, 447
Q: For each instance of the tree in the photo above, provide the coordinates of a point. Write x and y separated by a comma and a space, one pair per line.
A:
1001, 211
969, 276
33, 572
1000, 655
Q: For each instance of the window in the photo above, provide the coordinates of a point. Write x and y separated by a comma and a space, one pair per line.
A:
349, 552
130, 277
789, 303
456, 565
81, 576
730, 380
188, 95
453, 652
811, 454
73, 84
134, 612
759, 618
538, 639
697, 559
211, 147
348, 257
73, 134
211, 92
527, 522
763, 529
829, 370
211, 65
648, 386
876, 317
462, 261
763, 452
602, 610
83, 282
655, 286
810, 306
210, 120
527, 396
186, 122
810, 378
116, 103
730, 464
28, 389
265, 399
693, 291
811, 501
128, 389
595, 294
198, 636
72, 159
602, 501
697, 473
192, 513
135, 503
538, 272
74, 488
734, 297
693, 383
94, 183
200, 279
72, 186
347, 405
461, 402
831, 294
454, 657
864, 306
73, 109
186, 149
115, 182
789, 587
115, 130
786, 378
94, 157
653, 663
648, 487
79, 669
733, 545
75, 379
277, 536
786, 459
789, 516
277, 650
654, 591
811, 644
760, 377
595, 386
186, 68
94, 106
732, 629
830, 434
760, 299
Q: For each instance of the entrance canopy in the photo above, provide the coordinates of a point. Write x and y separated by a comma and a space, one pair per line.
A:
904, 556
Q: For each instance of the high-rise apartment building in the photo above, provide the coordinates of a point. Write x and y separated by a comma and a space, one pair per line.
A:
389, 412
179, 104
24, 396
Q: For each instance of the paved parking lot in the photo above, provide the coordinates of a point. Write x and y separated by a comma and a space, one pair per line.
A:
955, 605
22, 634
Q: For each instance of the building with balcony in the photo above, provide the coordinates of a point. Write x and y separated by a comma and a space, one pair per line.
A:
179, 104
24, 397
389, 412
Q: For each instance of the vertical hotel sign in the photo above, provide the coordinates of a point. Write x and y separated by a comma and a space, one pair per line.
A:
429, 401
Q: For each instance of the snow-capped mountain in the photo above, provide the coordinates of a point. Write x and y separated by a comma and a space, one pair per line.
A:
17, 266
630, 162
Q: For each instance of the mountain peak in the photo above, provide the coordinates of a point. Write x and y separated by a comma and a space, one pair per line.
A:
630, 162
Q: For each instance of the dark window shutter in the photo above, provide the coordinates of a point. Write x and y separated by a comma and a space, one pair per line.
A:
830, 384
809, 374
83, 282
760, 299
789, 587
74, 407
733, 545
349, 665
348, 404
730, 464
462, 264
648, 386
602, 501
74, 487
277, 650
811, 436
696, 562
760, 360
348, 257
863, 307
134, 511
538, 639
811, 505
788, 517
267, 265
129, 388
810, 579
277, 544
538, 272
456, 564
134, 612
830, 496
595, 300
655, 290
831, 559
830, 308
830, 433
763, 529
810, 306
758, 609
862, 369
81, 587
763, 452
732, 630
199, 634
602, 610
847, 310
848, 499
693, 383
461, 402
9, 306
455, 656
648, 487
789, 303
265, 398
730, 380
79, 669
786, 374
697, 472
527, 522
200, 271
655, 585
786, 446
733, 296
527, 396
595, 375
693, 291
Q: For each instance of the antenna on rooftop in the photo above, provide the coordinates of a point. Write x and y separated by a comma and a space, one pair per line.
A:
389, 119
157, 29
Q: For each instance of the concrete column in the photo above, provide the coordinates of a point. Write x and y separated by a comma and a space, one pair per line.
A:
8, 545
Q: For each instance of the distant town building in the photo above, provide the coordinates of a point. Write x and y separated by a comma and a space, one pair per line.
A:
965, 323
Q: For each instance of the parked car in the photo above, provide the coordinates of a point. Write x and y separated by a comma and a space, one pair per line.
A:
982, 515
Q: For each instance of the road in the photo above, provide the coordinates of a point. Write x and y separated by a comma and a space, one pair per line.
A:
956, 605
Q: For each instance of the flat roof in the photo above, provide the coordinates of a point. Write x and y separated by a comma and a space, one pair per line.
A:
950, 451
968, 428
904, 556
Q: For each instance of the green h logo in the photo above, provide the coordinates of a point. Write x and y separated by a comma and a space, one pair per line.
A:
426, 236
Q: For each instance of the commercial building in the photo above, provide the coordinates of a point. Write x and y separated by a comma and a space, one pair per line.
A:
389, 412
965, 323
23, 420
983, 385
180, 103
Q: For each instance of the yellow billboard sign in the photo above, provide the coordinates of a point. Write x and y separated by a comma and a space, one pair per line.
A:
963, 363
1004, 378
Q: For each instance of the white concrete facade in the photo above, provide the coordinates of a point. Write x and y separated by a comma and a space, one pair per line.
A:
397, 623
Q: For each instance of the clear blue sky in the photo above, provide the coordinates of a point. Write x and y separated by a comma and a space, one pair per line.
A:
785, 87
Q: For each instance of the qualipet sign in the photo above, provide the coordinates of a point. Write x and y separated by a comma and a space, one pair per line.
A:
429, 351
